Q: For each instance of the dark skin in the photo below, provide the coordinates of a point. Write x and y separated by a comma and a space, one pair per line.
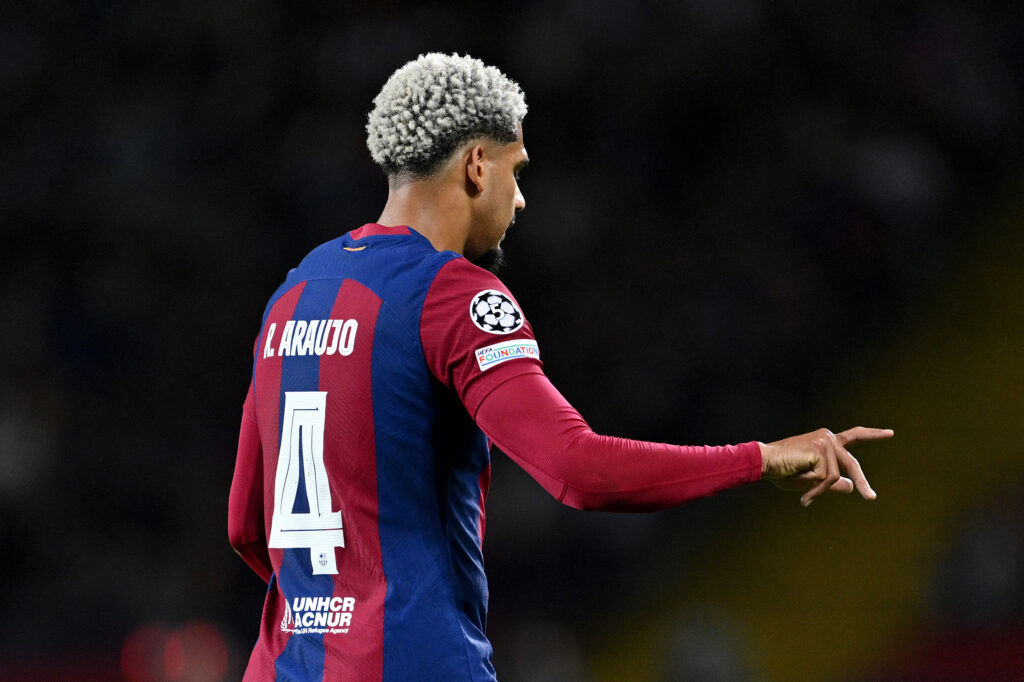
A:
468, 205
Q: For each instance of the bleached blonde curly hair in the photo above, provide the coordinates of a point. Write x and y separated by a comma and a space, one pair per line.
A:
434, 104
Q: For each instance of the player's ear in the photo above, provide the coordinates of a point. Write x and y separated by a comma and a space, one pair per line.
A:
474, 165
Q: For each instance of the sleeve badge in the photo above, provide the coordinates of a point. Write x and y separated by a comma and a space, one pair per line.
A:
495, 313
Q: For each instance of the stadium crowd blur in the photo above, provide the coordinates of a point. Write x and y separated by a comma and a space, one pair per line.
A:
735, 208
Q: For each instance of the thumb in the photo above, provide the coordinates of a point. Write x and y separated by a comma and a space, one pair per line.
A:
792, 462
804, 462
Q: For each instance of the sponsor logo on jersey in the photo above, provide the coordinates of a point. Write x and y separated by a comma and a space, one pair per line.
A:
312, 337
318, 615
495, 313
490, 356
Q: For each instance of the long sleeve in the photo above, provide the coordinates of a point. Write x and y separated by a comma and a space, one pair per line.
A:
246, 529
533, 424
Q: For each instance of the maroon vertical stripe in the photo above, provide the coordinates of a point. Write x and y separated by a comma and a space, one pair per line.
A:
267, 392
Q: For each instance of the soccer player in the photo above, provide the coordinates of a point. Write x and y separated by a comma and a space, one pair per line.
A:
386, 364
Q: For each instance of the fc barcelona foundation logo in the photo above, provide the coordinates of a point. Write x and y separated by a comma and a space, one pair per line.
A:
495, 313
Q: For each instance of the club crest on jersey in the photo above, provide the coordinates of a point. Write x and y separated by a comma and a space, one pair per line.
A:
495, 313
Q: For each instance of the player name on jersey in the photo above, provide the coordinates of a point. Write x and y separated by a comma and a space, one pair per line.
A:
312, 337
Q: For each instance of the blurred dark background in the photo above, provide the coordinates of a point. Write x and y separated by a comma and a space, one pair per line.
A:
745, 220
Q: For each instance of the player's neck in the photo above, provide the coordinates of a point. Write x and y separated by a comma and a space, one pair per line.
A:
433, 209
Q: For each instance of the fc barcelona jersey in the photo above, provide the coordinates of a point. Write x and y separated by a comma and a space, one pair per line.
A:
368, 474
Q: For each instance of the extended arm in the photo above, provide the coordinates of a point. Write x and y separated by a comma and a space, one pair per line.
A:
534, 425
499, 379
246, 530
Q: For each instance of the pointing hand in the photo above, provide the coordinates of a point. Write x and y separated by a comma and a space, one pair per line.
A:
817, 461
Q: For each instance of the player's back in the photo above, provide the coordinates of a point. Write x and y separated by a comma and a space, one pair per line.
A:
372, 475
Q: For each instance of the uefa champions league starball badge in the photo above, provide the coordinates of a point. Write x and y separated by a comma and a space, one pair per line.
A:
495, 313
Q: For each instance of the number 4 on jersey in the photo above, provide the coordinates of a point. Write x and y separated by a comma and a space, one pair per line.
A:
308, 522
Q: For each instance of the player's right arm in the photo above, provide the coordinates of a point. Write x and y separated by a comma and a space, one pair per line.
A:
246, 529
515, 404
493, 363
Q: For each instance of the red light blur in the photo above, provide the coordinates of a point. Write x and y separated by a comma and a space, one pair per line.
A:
195, 652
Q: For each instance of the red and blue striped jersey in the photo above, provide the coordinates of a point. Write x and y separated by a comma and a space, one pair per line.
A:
361, 477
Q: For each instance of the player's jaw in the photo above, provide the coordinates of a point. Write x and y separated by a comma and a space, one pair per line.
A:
492, 260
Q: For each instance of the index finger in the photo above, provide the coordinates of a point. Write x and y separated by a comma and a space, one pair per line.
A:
858, 433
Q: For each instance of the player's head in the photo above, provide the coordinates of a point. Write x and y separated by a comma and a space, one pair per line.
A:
446, 116
433, 105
